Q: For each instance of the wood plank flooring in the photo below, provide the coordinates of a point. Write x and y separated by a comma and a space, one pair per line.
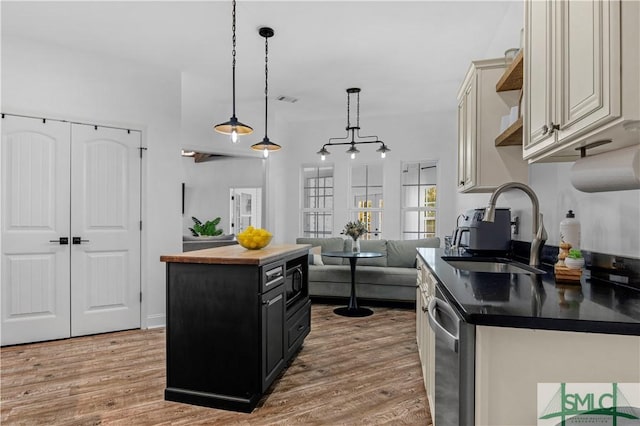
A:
355, 371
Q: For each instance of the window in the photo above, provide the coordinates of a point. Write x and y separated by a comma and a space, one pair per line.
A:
317, 201
419, 200
367, 202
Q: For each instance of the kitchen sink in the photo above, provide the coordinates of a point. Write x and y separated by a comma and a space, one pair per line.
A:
492, 265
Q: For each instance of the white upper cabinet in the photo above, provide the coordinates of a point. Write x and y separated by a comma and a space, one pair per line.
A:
482, 166
581, 77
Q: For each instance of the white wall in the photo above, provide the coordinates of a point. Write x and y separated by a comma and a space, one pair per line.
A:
207, 187
50, 81
411, 138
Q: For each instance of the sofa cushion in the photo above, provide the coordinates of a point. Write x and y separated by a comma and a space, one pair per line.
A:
402, 253
364, 275
379, 246
327, 244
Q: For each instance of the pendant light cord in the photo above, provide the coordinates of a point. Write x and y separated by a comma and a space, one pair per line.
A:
233, 55
266, 82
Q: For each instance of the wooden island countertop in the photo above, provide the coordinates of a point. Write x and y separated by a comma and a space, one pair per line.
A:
236, 255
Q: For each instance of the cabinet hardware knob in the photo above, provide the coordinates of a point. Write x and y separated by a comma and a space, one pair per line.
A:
425, 309
461, 182
545, 129
300, 327
266, 302
554, 127
78, 240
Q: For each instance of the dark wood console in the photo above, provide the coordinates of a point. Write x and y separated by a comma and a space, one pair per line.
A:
230, 330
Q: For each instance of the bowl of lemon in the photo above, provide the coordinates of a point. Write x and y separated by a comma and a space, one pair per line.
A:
254, 238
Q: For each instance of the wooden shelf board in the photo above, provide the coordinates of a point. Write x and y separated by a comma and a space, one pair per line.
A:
512, 135
512, 77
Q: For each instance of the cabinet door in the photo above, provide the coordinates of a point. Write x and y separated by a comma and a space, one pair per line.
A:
467, 136
588, 65
539, 93
461, 143
273, 345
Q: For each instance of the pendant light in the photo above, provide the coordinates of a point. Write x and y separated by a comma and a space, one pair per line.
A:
355, 132
233, 127
266, 145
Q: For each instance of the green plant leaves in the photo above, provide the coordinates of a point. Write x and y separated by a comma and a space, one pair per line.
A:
207, 229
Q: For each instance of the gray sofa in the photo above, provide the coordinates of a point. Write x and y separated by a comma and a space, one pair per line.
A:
391, 277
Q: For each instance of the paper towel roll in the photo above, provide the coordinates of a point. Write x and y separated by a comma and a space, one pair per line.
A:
617, 170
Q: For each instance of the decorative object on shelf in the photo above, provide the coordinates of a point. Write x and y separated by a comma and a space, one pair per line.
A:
355, 230
266, 145
574, 260
355, 132
205, 229
562, 269
233, 127
510, 55
254, 238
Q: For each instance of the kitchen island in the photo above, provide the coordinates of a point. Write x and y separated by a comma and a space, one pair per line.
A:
235, 318
523, 329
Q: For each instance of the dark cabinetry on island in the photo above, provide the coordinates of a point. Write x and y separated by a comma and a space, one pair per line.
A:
235, 318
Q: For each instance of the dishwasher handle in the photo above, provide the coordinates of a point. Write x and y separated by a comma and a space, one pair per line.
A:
450, 340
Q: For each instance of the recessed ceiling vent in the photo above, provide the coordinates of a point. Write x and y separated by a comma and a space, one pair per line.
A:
289, 99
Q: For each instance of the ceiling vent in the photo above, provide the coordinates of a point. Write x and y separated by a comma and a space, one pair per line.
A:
288, 99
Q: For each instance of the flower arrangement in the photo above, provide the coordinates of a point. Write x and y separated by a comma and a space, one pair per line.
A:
355, 229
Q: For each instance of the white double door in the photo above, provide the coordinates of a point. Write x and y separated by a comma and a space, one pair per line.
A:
70, 229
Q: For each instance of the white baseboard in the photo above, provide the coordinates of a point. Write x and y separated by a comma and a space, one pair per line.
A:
156, 321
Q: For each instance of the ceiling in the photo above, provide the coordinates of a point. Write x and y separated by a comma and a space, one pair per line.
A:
408, 57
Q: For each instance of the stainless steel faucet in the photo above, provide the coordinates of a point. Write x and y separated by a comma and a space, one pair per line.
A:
539, 233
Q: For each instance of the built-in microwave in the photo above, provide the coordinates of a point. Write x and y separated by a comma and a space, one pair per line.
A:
294, 285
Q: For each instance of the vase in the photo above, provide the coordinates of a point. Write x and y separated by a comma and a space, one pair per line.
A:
356, 246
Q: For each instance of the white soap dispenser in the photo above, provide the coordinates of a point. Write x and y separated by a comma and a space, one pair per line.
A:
570, 230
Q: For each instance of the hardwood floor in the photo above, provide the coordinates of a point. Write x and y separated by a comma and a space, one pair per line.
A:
350, 371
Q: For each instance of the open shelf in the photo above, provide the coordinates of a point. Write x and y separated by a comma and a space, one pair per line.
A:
512, 77
512, 135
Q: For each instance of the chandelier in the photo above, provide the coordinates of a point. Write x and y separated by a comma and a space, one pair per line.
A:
233, 127
355, 132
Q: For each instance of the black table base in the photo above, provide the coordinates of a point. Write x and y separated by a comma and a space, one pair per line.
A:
353, 312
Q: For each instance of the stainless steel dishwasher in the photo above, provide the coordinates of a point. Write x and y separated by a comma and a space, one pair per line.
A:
454, 364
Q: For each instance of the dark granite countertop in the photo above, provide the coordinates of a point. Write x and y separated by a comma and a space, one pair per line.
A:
536, 301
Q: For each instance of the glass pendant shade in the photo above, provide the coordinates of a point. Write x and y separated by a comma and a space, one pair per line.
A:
323, 153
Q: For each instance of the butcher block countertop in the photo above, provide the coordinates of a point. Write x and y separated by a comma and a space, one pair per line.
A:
238, 255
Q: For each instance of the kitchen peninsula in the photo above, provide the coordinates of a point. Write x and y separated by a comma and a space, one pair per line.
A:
235, 318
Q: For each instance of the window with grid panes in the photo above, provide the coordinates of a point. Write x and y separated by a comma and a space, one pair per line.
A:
367, 202
419, 200
317, 201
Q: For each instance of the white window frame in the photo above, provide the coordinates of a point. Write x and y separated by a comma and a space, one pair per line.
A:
304, 211
421, 233
365, 213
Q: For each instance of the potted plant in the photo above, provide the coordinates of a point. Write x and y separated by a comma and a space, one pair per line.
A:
207, 229
574, 260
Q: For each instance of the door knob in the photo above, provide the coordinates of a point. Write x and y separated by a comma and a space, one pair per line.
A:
61, 240
78, 240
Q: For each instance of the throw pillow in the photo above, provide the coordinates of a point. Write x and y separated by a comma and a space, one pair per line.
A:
317, 255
